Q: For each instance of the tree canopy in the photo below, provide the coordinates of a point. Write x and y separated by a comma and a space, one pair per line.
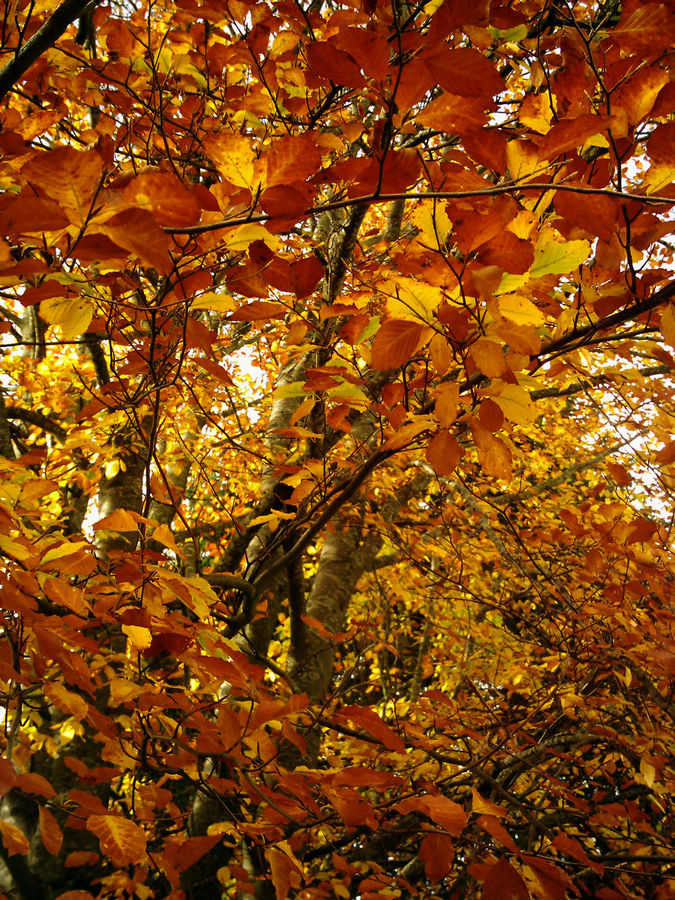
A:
336, 449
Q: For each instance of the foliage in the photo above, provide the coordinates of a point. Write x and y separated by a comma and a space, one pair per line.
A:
336, 449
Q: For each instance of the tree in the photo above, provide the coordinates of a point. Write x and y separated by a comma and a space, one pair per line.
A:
336, 449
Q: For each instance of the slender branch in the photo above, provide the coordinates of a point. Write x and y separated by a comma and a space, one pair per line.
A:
594, 381
367, 199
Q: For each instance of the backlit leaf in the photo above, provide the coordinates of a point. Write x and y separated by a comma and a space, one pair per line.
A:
516, 404
519, 309
555, 258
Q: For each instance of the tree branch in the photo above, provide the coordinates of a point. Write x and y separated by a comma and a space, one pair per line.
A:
42, 40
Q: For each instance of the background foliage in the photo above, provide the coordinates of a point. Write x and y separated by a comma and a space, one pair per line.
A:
336, 449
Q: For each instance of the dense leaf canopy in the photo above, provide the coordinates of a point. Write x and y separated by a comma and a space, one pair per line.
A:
336, 449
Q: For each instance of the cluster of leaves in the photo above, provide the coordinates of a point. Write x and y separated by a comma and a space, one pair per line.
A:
336, 456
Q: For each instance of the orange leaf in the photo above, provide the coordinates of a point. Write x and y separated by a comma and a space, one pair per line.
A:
13, 838
444, 453
447, 403
121, 841
32, 783
486, 807
489, 358
70, 177
443, 812
50, 832
368, 719
396, 342
287, 871
493, 454
494, 827
437, 853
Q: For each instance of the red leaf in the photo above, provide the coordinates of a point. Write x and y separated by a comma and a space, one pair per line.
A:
353, 809
257, 311
595, 214
571, 847
292, 159
305, 275
190, 850
28, 214
554, 881
287, 202
491, 415
7, 775
504, 883
466, 72
137, 231
641, 530
325, 59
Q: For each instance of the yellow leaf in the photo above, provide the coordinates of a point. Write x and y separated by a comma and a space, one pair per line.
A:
241, 238
219, 302
516, 404
535, 112
668, 324
647, 771
140, 637
234, 157
409, 299
66, 701
14, 549
520, 310
122, 690
120, 520
433, 223
522, 159
112, 467
61, 550
555, 258
72, 314
164, 536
